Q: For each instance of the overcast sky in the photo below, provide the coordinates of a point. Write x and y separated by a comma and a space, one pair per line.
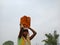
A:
45, 18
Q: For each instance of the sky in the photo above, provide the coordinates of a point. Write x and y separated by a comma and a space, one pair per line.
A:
45, 18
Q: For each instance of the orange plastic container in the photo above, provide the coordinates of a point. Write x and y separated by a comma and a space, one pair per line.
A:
25, 20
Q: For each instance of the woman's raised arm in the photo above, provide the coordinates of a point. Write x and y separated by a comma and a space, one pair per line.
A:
34, 33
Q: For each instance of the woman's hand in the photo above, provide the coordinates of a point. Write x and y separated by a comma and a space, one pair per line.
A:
21, 26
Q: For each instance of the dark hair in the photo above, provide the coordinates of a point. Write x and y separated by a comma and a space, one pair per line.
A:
25, 30
21, 32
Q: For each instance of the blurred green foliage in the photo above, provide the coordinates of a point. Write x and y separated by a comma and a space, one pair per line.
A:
8, 43
52, 39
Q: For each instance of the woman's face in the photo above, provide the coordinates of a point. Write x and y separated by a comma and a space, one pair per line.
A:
25, 33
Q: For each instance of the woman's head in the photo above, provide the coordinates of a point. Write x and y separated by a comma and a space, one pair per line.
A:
23, 32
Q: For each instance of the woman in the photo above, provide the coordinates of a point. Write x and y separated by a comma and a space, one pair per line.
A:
23, 37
